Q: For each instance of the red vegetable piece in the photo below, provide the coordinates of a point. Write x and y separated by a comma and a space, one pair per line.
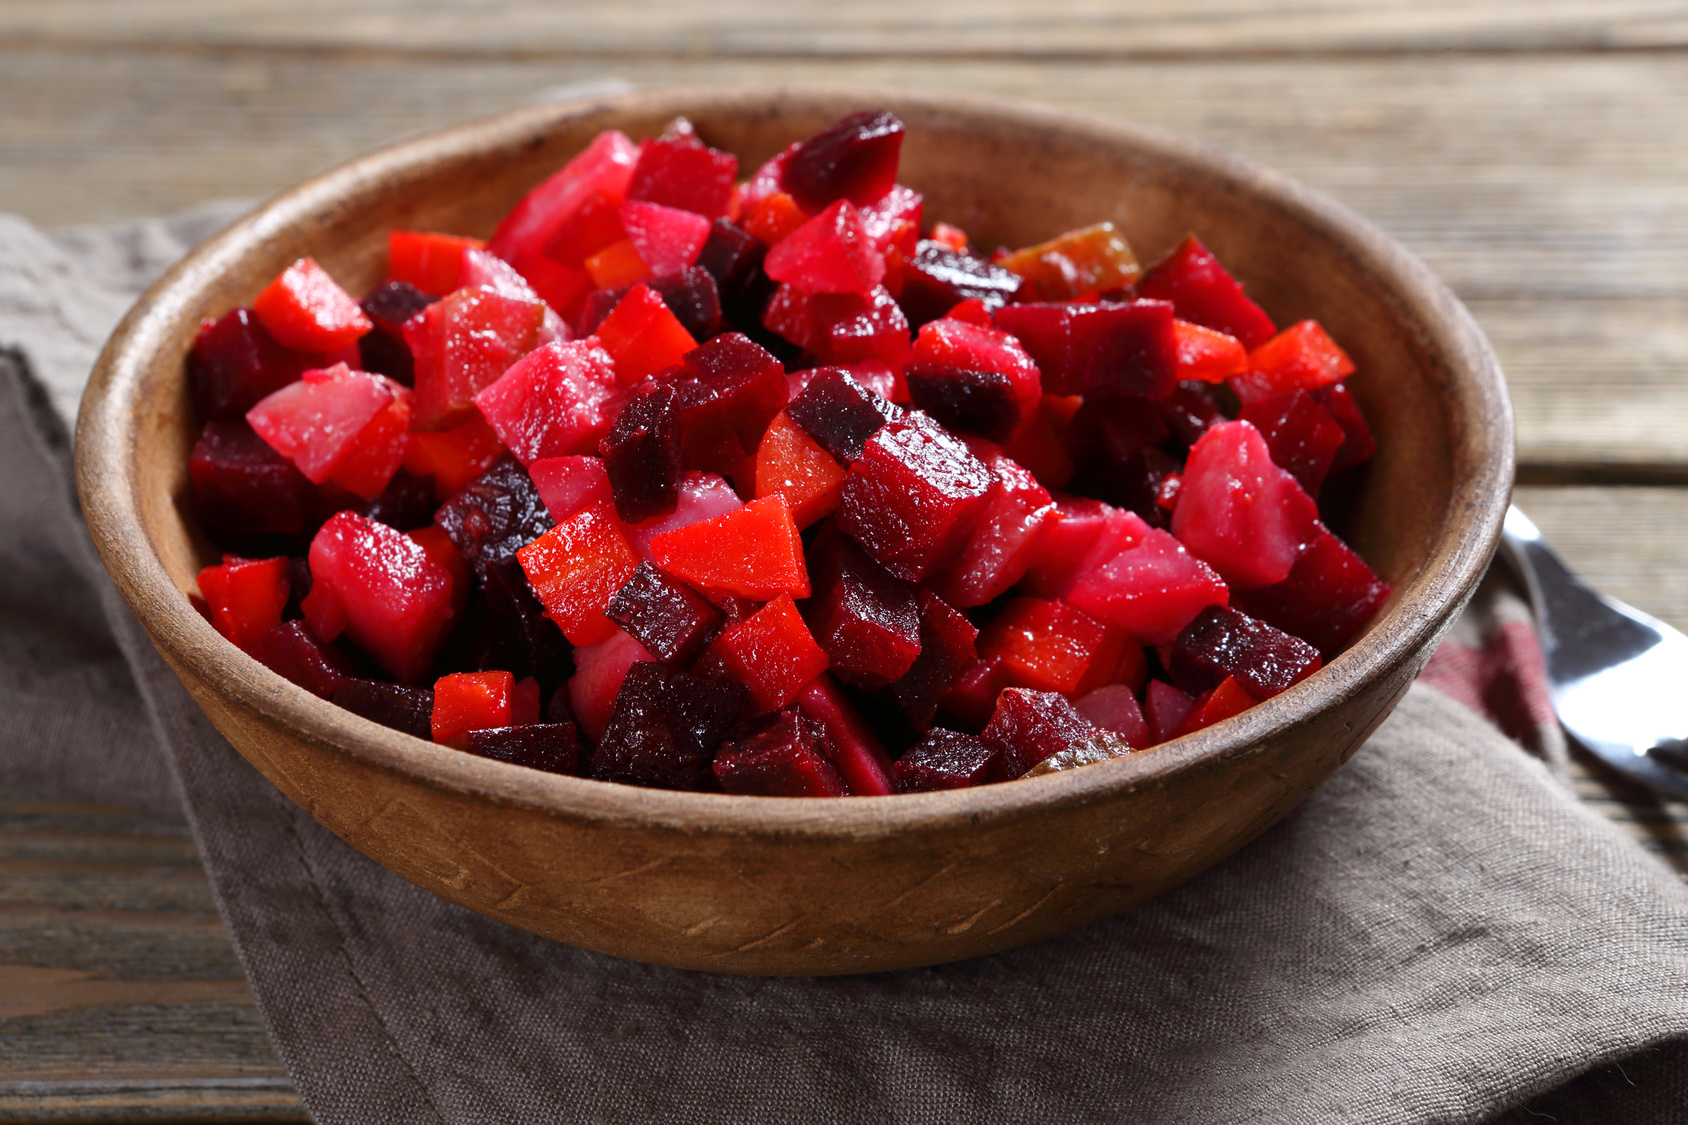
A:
1075, 265
235, 362
245, 596
691, 295
494, 514
304, 308
971, 347
431, 262
568, 484
551, 747
338, 425
1028, 726
1238, 511
1191, 410
840, 328
576, 568
643, 336
380, 588
783, 759
1165, 708
593, 226
1301, 435
735, 389
1116, 349
1329, 595
839, 412
1047, 646
668, 618
524, 702
1203, 293
914, 494
462, 344
703, 496
243, 486
1037, 443
681, 171
399, 706
520, 637
1359, 445
1223, 642
947, 650
863, 617
860, 759
642, 452
1066, 546
294, 652
439, 547
1008, 536
753, 552
937, 278
1206, 354
666, 727
854, 159
603, 171
453, 457
831, 253
667, 239
1302, 357
971, 700
466, 701
382, 350
945, 759
1115, 709
1219, 703
1146, 583
599, 670
791, 464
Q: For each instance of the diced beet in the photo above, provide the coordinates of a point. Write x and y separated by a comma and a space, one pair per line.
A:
1191, 410
703, 496
913, 495
666, 727
971, 700
1028, 726
299, 586
772, 653
1329, 595
753, 552
734, 389
839, 413
1008, 536
831, 253
454, 457
1044, 645
1164, 709
945, 759
892, 222
524, 640
667, 239
1064, 548
599, 670
338, 425
694, 299
295, 653
841, 328
643, 336
971, 347
426, 261
245, 597
681, 171
1207, 356
1204, 293
975, 402
1146, 582
305, 309
733, 257
235, 362
642, 452
1302, 436
670, 619
383, 350
603, 170
854, 159
382, 589
1223, 642
946, 651
1217, 703
495, 515
863, 617
1114, 708
552, 747
575, 569
557, 400
1238, 511
568, 484
860, 759
462, 344
1106, 348
482, 269
1359, 444
1077, 264
402, 707
937, 278
783, 758
792, 464
241, 486
469, 701
1302, 357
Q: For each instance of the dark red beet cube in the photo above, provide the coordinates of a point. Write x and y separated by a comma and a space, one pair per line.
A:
666, 726
1329, 595
669, 618
782, 759
1008, 536
1303, 436
737, 387
1222, 642
1029, 726
642, 452
1164, 709
971, 699
1191, 410
937, 278
383, 349
945, 759
855, 159
235, 362
1106, 348
946, 651
691, 295
293, 652
241, 486
523, 640
842, 328
914, 494
552, 747
733, 257
839, 413
681, 171
1359, 444
495, 515
399, 706
407, 503
974, 402
861, 615
1203, 293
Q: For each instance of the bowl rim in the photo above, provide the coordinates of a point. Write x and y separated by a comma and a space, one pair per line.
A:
1477, 406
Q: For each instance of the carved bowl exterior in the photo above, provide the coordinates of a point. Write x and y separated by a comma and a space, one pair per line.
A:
784, 886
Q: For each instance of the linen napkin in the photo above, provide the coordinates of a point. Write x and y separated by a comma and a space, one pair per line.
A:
1440, 933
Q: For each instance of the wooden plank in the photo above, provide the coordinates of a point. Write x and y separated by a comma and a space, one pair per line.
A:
745, 28
1552, 193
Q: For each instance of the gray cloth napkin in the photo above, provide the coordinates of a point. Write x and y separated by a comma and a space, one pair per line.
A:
1440, 933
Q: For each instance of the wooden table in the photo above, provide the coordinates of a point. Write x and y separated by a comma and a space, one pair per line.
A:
1532, 151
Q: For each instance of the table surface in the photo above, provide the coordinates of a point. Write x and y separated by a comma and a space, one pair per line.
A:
1531, 151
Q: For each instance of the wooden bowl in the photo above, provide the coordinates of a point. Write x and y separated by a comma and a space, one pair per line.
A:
763, 885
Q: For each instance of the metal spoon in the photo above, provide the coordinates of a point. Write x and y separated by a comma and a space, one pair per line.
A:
1617, 677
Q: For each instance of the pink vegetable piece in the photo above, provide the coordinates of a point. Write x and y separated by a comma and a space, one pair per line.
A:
557, 400
1151, 586
1238, 511
703, 496
831, 253
568, 484
1115, 708
599, 670
666, 239
329, 417
605, 166
860, 759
